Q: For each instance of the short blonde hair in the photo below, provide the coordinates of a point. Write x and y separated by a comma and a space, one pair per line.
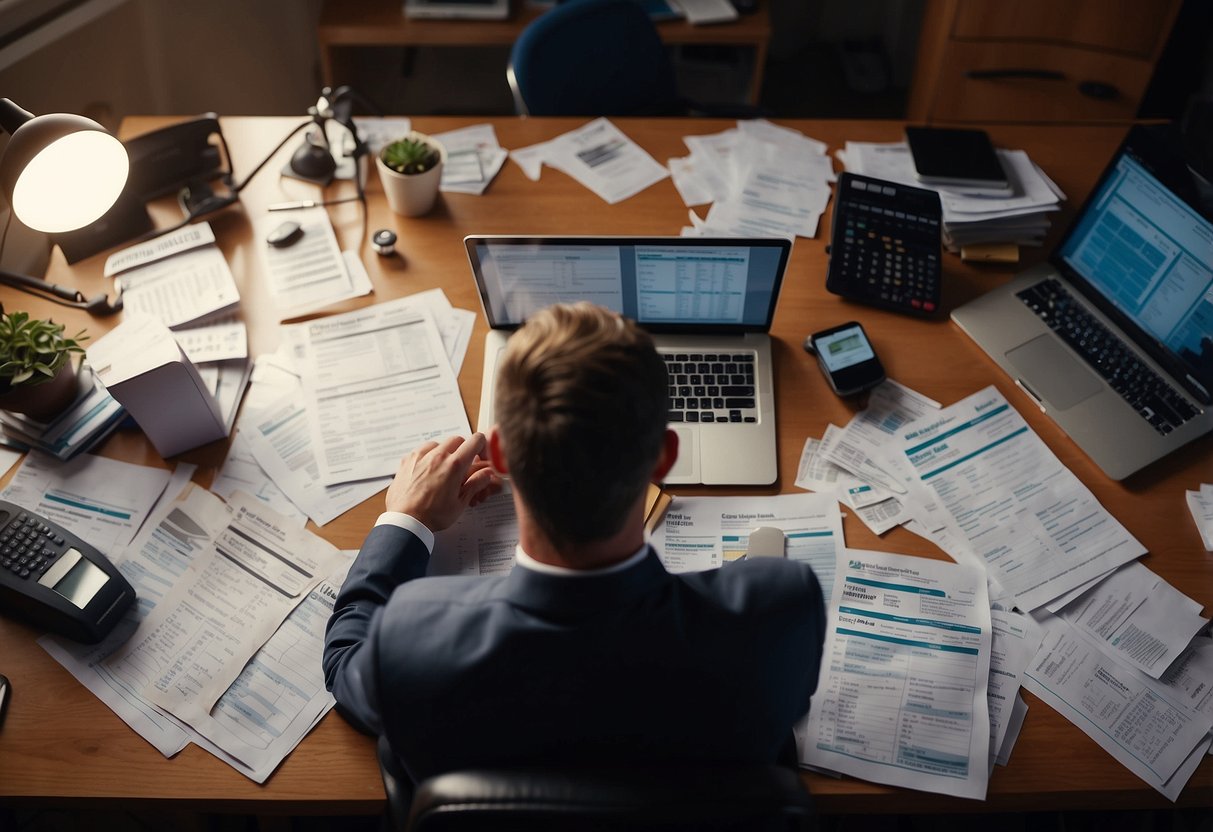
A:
582, 406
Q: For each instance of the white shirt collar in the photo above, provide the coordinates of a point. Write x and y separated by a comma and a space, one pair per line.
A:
527, 562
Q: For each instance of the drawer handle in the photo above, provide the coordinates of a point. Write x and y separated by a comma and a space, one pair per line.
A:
1099, 90
988, 74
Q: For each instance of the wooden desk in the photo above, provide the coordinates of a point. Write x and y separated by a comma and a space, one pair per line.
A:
346, 24
61, 746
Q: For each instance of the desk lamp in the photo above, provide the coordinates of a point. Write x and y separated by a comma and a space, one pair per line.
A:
59, 172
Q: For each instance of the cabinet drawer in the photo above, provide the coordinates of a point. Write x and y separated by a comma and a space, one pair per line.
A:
988, 81
1131, 27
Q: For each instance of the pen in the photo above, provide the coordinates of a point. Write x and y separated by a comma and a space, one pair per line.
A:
292, 206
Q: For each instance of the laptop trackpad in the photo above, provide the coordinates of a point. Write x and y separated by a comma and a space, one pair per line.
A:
1053, 373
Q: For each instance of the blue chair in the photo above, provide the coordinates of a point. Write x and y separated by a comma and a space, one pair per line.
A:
592, 58
599, 58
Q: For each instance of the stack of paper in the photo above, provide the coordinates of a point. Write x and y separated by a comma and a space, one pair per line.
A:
763, 180
180, 279
274, 455
599, 156
312, 273
970, 219
90, 418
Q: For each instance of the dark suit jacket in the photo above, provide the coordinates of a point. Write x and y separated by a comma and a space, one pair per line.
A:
635, 666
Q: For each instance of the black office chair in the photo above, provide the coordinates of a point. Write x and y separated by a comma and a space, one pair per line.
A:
745, 798
600, 58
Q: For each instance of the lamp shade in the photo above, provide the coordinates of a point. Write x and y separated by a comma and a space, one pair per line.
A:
59, 172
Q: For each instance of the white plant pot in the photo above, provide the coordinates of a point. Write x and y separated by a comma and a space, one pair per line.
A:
412, 195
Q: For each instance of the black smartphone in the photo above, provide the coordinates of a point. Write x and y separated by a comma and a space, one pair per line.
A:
947, 156
847, 358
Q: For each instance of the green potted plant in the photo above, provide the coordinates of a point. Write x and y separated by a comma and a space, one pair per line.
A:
411, 170
37, 373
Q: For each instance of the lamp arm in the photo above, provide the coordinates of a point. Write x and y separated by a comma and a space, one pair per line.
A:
98, 305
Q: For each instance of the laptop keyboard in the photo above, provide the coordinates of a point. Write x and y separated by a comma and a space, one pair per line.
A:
1153, 398
711, 387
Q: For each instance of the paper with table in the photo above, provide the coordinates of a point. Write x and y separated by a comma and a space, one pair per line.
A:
598, 155
178, 279
377, 383
473, 159
905, 671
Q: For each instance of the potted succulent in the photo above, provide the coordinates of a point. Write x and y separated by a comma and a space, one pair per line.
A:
37, 373
411, 170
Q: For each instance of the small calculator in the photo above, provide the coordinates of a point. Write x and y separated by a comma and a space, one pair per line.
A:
885, 245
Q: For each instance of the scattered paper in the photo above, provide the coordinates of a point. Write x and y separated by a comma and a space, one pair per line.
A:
216, 342
240, 472
474, 158
1200, 503
481, 542
193, 286
600, 157
309, 274
192, 236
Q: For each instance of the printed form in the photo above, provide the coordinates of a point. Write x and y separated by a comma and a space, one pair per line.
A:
1037, 527
378, 383
902, 695
195, 643
706, 532
481, 542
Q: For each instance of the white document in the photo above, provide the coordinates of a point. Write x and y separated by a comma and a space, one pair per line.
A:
902, 694
1200, 504
531, 158
1190, 677
240, 472
192, 236
280, 694
816, 473
377, 383
773, 201
100, 500
1015, 641
192, 286
231, 381
1037, 527
178, 533
309, 274
8, 458
478, 144
280, 441
1136, 719
601, 157
481, 542
706, 532
1137, 617
215, 342
195, 643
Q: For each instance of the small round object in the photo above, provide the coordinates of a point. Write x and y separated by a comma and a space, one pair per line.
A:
384, 242
285, 235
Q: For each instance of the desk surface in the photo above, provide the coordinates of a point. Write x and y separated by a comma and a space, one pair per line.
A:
61, 745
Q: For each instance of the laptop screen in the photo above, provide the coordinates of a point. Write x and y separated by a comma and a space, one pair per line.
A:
666, 284
1147, 252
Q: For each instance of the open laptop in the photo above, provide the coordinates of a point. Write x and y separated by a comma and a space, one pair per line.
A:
1114, 338
708, 304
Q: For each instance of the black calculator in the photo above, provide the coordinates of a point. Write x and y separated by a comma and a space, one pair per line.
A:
885, 245
54, 580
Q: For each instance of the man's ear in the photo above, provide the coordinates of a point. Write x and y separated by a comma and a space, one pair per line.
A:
668, 456
497, 452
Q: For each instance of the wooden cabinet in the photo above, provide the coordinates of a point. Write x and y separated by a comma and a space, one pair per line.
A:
1037, 60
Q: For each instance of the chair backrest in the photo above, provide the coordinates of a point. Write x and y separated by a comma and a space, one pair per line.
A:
743, 797
592, 58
